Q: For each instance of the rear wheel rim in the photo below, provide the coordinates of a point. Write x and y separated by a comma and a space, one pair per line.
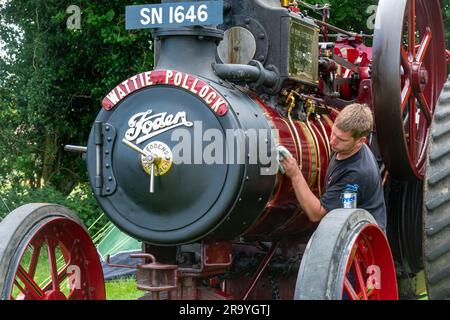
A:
408, 71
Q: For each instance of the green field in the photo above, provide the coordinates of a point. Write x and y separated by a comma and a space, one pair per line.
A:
123, 290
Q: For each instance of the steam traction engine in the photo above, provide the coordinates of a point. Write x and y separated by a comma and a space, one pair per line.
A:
184, 158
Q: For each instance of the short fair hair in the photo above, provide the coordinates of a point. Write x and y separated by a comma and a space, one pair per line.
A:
357, 119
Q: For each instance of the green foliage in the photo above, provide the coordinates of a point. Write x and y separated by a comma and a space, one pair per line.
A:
53, 81
350, 15
80, 201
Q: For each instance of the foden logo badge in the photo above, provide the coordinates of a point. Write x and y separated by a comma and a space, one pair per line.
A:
146, 125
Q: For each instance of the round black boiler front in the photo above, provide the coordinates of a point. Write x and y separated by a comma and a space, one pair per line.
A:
198, 191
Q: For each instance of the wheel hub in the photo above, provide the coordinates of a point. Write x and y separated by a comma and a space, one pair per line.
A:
419, 76
55, 295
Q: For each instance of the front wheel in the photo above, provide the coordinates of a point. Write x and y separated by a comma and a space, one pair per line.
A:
348, 257
46, 254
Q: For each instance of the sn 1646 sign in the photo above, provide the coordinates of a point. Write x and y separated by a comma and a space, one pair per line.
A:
176, 14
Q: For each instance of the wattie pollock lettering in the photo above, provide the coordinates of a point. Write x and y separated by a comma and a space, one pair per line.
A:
209, 95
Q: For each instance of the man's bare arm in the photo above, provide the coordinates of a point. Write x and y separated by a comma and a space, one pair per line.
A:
308, 201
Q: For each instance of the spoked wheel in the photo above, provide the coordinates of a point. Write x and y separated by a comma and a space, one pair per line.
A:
348, 257
437, 203
46, 254
409, 70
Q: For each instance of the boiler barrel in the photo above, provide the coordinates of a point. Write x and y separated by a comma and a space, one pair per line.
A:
216, 173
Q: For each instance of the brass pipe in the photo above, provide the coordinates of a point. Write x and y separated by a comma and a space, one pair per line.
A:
291, 98
328, 148
316, 143
312, 148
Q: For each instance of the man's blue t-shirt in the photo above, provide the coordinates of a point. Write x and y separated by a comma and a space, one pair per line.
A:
360, 169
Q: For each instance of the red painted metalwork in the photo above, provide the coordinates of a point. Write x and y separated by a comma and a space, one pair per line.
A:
355, 52
370, 272
59, 262
283, 206
217, 253
283, 215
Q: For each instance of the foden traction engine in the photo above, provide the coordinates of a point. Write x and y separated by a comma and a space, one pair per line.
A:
183, 158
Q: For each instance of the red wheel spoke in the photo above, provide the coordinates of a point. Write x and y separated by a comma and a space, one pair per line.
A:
406, 93
30, 284
53, 266
360, 278
422, 50
406, 64
412, 27
350, 260
349, 289
62, 275
34, 260
412, 128
17, 284
424, 106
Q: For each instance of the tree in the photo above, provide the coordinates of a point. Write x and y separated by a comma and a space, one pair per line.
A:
53, 79
351, 15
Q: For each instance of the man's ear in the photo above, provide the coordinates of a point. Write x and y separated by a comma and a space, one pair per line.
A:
362, 141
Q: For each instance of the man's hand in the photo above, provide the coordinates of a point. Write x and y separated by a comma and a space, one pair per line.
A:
290, 167
308, 201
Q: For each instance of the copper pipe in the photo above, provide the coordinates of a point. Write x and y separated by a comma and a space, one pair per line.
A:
296, 136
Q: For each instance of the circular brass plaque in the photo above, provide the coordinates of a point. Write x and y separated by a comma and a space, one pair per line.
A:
164, 160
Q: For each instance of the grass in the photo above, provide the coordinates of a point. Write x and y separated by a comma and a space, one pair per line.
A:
124, 289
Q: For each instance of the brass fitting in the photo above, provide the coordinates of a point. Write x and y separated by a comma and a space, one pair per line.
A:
285, 3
